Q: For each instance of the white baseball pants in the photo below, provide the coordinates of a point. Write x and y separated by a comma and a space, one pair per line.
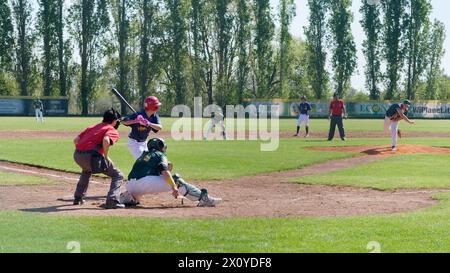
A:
39, 115
137, 148
150, 185
303, 119
392, 127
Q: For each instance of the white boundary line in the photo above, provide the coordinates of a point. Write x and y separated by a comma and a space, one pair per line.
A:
43, 174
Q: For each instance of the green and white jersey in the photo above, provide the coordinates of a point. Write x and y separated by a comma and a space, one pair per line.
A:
151, 163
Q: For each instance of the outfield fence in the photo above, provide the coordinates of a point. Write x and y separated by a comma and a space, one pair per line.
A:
23, 106
418, 109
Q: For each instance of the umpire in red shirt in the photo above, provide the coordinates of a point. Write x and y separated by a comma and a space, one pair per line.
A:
337, 113
91, 154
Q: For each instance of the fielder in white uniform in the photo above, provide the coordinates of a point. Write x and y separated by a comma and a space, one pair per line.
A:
394, 115
217, 119
151, 174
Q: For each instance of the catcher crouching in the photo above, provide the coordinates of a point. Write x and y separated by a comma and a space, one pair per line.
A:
151, 174
394, 115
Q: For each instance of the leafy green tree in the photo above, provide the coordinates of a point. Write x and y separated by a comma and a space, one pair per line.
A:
122, 14
394, 29
344, 48
24, 45
149, 61
176, 38
89, 21
264, 67
372, 26
316, 33
6, 46
436, 49
47, 27
417, 28
243, 41
224, 19
64, 49
287, 13
297, 72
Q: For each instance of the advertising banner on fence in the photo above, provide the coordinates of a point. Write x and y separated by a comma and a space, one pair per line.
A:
420, 109
23, 106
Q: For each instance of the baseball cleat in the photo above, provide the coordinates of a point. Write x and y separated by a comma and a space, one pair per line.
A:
112, 204
343, 138
307, 135
296, 135
394, 148
78, 201
208, 201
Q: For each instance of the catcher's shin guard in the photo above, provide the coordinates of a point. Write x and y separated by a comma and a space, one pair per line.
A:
187, 190
195, 194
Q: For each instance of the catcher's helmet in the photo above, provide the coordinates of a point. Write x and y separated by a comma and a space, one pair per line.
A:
152, 103
156, 144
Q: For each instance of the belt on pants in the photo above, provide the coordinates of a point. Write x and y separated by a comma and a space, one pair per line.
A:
137, 140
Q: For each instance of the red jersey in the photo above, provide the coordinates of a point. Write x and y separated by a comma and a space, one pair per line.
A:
337, 107
92, 137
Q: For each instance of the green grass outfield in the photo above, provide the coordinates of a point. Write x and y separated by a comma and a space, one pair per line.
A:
75, 124
193, 159
425, 230
402, 171
422, 231
199, 159
10, 179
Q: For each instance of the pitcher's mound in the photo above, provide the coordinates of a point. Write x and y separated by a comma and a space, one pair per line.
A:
386, 150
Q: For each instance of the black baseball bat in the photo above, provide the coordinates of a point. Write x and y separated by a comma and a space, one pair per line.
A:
122, 99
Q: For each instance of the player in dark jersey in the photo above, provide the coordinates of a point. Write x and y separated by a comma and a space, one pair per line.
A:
394, 115
39, 110
142, 124
304, 108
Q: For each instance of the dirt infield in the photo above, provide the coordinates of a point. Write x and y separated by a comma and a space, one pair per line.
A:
265, 195
386, 151
167, 134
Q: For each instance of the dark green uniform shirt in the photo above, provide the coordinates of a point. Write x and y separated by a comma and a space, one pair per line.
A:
38, 104
150, 163
392, 110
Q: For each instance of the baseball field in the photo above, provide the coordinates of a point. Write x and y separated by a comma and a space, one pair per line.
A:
310, 195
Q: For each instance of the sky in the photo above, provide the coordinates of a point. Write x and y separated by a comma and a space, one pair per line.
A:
441, 8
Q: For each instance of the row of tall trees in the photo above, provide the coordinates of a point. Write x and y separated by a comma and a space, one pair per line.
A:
223, 50
401, 35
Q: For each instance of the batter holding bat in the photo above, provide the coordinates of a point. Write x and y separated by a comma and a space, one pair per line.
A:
142, 123
394, 115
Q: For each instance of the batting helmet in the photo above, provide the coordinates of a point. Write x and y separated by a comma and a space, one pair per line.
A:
156, 144
151, 103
